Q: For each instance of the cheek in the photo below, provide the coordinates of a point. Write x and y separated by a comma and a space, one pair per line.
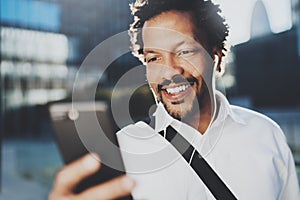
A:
154, 75
198, 66
201, 68
152, 78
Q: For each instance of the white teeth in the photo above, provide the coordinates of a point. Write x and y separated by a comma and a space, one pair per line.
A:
177, 89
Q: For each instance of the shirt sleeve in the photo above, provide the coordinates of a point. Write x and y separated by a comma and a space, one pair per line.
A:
290, 185
290, 188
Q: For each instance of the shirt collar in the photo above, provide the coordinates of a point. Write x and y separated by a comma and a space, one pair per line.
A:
225, 109
163, 119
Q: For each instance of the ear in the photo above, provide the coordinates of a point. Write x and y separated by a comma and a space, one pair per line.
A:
218, 54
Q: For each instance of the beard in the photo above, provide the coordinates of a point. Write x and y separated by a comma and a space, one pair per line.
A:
182, 110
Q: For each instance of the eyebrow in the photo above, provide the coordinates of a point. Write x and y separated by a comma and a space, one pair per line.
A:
175, 46
148, 51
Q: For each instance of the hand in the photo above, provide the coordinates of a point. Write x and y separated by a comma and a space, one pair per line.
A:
72, 174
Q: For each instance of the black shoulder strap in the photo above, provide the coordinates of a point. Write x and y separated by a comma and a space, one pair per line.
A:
208, 176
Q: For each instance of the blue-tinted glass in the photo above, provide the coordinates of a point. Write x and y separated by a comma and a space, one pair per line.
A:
31, 14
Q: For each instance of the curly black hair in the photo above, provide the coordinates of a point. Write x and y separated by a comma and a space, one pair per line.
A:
205, 15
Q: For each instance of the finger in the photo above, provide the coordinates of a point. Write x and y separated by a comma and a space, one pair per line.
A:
115, 188
70, 175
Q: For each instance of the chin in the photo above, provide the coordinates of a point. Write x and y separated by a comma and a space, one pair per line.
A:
181, 110
177, 113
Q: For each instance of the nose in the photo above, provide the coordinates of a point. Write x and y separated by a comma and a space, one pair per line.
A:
171, 67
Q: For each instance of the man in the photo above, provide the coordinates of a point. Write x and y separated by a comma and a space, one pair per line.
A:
182, 46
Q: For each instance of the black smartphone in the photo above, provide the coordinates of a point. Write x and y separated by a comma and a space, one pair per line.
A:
77, 133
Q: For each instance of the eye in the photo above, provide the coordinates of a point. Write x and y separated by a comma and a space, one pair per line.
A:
151, 59
187, 52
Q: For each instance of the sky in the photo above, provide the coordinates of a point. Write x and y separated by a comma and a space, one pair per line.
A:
238, 15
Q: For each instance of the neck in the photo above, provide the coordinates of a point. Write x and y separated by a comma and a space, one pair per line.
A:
201, 120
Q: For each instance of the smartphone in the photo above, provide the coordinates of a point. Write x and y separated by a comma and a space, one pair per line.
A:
76, 125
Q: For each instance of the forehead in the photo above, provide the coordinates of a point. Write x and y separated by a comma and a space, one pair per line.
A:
168, 29
175, 20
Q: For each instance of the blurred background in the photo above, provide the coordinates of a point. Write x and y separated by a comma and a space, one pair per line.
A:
44, 42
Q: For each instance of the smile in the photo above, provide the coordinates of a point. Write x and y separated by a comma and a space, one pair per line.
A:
177, 89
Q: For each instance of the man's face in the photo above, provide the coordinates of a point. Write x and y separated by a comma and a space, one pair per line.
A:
178, 67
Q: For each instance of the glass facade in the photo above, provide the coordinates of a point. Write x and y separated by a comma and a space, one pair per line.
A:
31, 14
33, 67
34, 72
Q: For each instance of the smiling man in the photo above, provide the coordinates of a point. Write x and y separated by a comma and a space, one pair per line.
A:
197, 145
182, 44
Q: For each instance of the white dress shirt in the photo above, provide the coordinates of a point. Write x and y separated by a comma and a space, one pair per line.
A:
246, 149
